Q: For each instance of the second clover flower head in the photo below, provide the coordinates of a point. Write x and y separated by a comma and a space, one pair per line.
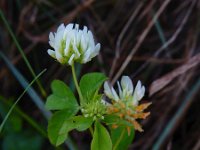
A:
71, 44
125, 91
126, 104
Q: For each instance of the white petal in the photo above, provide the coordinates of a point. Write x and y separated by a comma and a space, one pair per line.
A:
83, 43
67, 47
116, 97
120, 90
142, 91
77, 26
61, 27
78, 37
105, 103
76, 50
96, 50
138, 85
139, 91
97, 47
127, 85
110, 92
107, 89
86, 56
58, 42
51, 39
91, 39
51, 53
134, 102
68, 28
59, 56
71, 59
85, 29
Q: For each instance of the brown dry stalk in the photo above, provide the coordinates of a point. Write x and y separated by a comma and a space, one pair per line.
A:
160, 83
140, 40
66, 19
118, 44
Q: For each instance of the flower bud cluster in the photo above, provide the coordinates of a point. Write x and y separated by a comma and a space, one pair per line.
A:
94, 109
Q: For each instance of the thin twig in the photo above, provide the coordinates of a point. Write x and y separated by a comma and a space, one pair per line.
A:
170, 41
124, 30
140, 40
170, 127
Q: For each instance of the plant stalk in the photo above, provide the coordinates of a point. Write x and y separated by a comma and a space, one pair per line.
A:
76, 83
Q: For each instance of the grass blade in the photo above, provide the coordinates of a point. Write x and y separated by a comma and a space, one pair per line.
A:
21, 52
36, 99
26, 117
10, 111
34, 96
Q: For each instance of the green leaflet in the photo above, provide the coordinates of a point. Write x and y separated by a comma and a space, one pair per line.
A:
62, 122
80, 123
58, 127
90, 84
120, 138
113, 119
101, 138
61, 98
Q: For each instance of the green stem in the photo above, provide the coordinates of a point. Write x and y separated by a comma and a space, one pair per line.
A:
119, 139
76, 84
91, 131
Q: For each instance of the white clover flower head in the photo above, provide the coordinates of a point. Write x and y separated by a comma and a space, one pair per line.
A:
126, 104
126, 91
71, 44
